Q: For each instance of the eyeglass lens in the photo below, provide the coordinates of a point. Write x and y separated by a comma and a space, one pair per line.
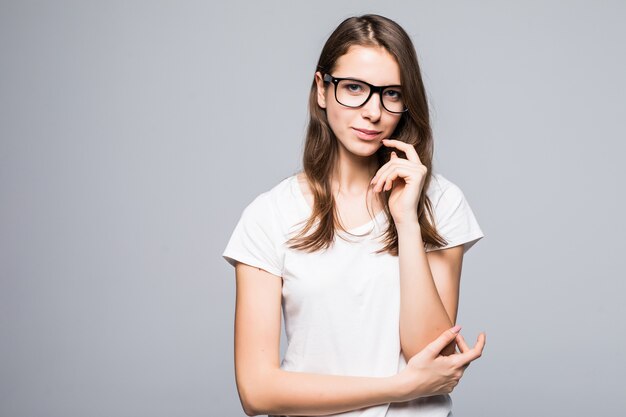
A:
354, 94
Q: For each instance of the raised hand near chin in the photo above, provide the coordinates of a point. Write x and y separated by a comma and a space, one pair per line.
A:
405, 178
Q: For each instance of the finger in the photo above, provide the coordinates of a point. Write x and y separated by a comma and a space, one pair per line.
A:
409, 150
462, 345
385, 168
389, 181
380, 173
460, 340
397, 172
435, 347
388, 165
386, 181
475, 352
379, 179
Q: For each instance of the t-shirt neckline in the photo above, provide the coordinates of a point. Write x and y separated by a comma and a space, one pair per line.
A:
308, 210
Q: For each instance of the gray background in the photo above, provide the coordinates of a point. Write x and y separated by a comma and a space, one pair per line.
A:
133, 134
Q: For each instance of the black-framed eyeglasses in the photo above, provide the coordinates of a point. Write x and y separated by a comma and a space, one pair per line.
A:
351, 92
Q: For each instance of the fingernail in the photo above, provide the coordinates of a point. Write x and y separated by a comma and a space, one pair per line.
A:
456, 329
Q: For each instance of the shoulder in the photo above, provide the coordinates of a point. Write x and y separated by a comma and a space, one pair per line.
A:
441, 190
274, 203
454, 218
258, 236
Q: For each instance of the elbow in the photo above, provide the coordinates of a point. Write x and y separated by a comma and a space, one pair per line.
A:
254, 397
411, 349
256, 404
247, 400
247, 411
247, 408
408, 354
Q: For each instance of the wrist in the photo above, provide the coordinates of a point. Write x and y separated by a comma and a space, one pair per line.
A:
399, 388
409, 227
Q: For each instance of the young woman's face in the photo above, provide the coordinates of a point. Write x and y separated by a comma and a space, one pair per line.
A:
361, 129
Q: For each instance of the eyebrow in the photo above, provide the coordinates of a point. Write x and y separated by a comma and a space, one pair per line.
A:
366, 82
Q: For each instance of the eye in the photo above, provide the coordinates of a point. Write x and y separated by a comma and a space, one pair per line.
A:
354, 88
393, 94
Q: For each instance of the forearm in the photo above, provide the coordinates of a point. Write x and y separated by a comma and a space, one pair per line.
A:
423, 316
282, 392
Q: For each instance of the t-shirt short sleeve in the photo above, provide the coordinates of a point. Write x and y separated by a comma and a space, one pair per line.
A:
455, 220
256, 239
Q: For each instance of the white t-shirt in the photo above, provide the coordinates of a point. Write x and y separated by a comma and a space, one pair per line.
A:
341, 305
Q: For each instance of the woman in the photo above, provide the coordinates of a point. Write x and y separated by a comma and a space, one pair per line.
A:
369, 299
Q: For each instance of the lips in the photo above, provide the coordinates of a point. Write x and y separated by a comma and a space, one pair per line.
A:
366, 134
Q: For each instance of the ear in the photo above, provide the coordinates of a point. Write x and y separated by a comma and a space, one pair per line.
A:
321, 90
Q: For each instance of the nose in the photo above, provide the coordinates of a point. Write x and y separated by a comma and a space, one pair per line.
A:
372, 109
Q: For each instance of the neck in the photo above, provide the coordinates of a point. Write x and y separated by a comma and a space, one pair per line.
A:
352, 173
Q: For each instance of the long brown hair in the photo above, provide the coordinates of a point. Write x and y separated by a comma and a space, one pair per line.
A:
321, 148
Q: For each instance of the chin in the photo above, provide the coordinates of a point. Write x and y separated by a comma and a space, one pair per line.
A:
365, 149
359, 147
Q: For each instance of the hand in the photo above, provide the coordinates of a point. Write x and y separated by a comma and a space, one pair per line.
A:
428, 373
405, 178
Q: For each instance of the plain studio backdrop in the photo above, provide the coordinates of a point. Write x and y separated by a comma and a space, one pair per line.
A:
134, 133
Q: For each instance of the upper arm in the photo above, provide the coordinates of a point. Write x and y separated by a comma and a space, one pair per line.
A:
257, 327
445, 266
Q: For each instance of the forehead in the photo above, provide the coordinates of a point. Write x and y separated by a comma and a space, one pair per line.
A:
368, 63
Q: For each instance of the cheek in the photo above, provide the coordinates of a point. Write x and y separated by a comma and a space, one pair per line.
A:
392, 123
337, 119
